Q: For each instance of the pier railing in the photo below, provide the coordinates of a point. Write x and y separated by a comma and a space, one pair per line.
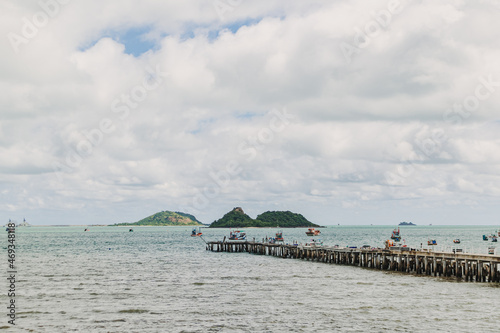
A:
464, 266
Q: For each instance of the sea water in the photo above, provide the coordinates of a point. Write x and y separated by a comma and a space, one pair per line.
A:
159, 279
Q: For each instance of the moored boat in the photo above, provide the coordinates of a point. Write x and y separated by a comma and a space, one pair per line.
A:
431, 242
237, 235
315, 242
396, 235
391, 245
456, 241
279, 236
195, 233
312, 232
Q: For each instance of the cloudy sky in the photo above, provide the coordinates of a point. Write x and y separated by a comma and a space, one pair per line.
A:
350, 112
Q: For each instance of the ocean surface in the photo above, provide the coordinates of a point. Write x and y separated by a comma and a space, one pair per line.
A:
159, 279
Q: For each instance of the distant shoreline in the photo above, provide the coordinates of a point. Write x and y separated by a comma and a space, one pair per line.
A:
496, 225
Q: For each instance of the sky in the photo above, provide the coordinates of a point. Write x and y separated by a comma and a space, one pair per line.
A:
348, 112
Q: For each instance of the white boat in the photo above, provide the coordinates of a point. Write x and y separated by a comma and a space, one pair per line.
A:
24, 224
312, 232
237, 235
315, 242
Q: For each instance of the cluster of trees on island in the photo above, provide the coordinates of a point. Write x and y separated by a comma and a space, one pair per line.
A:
236, 218
166, 218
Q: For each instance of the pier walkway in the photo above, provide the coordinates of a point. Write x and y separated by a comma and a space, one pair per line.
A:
464, 266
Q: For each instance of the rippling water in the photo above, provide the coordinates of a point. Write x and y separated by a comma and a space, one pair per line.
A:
162, 280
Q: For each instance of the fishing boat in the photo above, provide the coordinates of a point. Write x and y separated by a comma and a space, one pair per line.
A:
432, 242
274, 240
315, 242
396, 235
390, 245
312, 232
456, 241
195, 233
279, 236
237, 235
24, 224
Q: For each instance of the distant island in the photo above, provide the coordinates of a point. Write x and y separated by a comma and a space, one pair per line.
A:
407, 223
165, 218
238, 219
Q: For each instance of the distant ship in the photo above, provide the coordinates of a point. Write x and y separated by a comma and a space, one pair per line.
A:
24, 224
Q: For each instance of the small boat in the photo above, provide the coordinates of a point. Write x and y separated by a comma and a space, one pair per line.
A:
396, 235
312, 232
237, 235
456, 241
130, 230
432, 242
494, 239
485, 238
491, 250
86, 229
279, 237
315, 242
391, 245
195, 233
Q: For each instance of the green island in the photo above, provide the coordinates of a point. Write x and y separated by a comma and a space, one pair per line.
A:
407, 223
165, 218
238, 219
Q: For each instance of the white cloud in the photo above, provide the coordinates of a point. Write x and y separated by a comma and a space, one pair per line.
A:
370, 136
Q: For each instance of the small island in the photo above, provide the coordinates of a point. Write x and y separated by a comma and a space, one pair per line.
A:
407, 223
238, 219
165, 218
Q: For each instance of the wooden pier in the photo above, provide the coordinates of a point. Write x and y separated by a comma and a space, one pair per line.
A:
463, 266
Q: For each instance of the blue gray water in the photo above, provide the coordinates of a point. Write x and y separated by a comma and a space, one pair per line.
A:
163, 280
